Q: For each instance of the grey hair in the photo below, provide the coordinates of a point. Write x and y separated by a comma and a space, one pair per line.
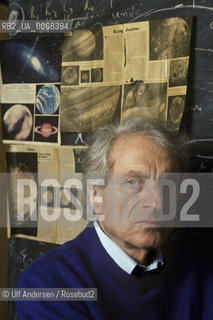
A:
103, 140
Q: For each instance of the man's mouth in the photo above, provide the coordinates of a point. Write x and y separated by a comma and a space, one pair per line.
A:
148, 222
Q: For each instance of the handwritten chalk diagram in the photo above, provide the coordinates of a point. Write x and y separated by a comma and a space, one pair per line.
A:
78, 12
201, 154
22, 252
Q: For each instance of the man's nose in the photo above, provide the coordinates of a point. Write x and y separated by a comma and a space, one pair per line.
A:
156, 197
153, 196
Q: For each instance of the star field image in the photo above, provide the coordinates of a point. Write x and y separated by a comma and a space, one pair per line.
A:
31, 60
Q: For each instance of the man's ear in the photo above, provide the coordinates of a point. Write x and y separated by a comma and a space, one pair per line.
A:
96, 199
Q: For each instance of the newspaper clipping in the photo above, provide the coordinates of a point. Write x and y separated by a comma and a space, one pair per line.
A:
113, 72
52, 192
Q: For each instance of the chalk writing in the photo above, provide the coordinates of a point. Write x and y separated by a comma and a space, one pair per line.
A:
201, 140
196, 108
68, 12
205, 157
51, 10
203, 49
88, 7
180, 6
23, 252
128, 13
202, 166
79, 137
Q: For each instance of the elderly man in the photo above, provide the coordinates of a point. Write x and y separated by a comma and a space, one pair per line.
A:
127, 254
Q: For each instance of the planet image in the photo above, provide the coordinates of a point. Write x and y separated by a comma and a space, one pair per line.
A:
170, 39
70, 75
81, 44
48, 99
148, 99
97, 75
176, 110
84, 76
85, 109
17, 122
178, 72
46, 130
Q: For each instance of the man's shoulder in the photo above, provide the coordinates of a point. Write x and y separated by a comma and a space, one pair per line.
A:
53, 268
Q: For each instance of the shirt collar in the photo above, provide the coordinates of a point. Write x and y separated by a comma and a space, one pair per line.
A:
123, 260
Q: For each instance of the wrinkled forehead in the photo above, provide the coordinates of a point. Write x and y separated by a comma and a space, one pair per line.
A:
140, 154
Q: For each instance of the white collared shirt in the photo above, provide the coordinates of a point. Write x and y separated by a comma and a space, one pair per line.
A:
122, 259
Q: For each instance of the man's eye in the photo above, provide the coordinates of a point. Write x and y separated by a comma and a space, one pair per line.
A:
135, 184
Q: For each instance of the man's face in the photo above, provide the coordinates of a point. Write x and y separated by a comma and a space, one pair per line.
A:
131, 200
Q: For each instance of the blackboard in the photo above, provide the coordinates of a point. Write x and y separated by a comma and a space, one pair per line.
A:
22, 252
198, 117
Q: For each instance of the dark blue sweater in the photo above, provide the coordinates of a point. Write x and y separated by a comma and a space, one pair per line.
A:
182, 290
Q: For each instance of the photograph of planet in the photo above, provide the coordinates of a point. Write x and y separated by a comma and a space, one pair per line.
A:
31, 60
97, 75
17, 122
70, 75
85, 109
46, 129
178, 72
170, 38
83, 45
84, 76
175, 111
47, 98
148, 99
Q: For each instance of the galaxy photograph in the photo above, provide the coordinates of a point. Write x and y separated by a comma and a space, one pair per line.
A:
36, 60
